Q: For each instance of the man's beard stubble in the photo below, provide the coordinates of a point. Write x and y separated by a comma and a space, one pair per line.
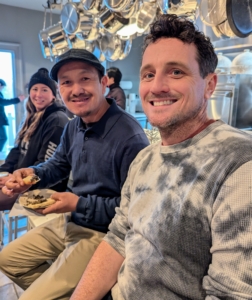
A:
180, 122
79, 113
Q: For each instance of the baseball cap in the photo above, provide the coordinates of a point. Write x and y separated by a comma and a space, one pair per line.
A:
76, 55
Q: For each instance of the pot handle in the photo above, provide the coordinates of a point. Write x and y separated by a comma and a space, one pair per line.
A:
50, 6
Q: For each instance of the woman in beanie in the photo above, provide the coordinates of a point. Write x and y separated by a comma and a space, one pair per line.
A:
40, 132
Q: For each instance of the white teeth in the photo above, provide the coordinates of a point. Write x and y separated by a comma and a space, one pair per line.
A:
80, 100
159, 103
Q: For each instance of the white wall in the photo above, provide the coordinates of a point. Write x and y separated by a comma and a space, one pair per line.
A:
18, 25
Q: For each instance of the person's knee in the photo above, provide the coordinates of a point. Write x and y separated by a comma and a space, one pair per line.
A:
4, 259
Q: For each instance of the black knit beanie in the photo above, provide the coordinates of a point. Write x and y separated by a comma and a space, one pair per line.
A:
42, 76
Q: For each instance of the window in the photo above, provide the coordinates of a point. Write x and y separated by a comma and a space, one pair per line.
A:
11, 73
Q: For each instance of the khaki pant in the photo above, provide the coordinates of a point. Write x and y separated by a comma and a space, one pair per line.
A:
25, 259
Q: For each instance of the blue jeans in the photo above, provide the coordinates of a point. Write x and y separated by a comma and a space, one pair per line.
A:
3, 137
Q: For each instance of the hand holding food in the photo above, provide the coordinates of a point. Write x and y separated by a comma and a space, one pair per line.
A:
64, 202
31, 179
16, 184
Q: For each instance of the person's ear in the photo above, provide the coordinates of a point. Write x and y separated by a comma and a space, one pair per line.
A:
211, 81
104, 82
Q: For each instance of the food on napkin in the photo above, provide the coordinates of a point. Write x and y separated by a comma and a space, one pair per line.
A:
38, 202
36, 199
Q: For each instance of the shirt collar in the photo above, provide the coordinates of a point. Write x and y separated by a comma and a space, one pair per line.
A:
113, 85
107, 121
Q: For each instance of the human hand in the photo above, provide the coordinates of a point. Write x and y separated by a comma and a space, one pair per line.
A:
15, 185
4, 179
21, 97
65, 202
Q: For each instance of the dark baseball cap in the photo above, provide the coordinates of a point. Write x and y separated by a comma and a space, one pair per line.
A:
76, 55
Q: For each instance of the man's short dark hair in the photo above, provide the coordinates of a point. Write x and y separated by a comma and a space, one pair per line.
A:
114, 73
2, 82
172, 26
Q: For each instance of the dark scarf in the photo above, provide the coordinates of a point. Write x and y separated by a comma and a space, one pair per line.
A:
114, 85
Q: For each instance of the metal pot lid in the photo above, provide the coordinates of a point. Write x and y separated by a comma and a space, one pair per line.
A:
70, 18
212, 13
97, 52
111, 47
239, 17
146, 15
126, 47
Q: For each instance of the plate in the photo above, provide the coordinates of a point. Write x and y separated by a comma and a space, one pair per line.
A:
4, 174
46, 193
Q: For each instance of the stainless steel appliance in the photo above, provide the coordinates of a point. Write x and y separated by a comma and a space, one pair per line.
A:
232, 100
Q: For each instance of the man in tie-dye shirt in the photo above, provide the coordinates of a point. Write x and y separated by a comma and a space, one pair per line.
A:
184, 226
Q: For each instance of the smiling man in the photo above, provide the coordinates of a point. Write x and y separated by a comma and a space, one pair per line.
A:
183, 229
98, 146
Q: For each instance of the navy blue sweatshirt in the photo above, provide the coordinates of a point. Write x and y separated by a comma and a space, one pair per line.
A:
42, 143
99, 157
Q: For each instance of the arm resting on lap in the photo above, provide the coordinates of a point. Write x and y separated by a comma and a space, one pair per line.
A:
100, 274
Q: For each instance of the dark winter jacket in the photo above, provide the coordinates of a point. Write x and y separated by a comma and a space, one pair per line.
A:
42, 144
117, 93
5, 102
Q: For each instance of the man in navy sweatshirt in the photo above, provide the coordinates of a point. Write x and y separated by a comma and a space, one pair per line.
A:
98, 146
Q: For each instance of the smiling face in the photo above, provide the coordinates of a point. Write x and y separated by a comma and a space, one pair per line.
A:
174, 95
82, 90
41, 96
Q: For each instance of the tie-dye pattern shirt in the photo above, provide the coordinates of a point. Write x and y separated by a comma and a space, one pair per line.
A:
184, 224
